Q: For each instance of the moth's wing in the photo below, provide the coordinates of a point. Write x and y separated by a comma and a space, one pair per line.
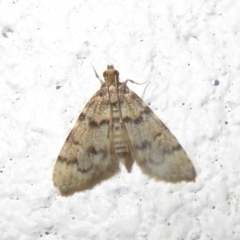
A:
155, 148
87, 155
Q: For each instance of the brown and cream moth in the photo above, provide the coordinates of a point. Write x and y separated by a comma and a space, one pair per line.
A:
116, 125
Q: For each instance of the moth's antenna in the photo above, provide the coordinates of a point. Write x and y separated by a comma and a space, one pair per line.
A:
97, 76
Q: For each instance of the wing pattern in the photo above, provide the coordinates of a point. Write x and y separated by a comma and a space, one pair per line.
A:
87, 154
156, 150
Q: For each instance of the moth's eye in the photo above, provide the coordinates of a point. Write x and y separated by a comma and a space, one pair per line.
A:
110, 66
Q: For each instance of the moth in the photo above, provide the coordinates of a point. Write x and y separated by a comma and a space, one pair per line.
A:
117, 126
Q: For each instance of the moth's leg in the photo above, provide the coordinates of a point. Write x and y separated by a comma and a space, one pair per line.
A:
131, 81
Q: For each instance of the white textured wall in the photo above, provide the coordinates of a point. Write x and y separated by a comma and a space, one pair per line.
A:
183, 48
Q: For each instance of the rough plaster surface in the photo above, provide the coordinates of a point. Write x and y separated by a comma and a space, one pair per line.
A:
190, 53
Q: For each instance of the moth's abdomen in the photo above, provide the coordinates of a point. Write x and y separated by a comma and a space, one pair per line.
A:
120, 143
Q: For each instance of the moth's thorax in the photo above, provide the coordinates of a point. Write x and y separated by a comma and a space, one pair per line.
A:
111, 75
113, 94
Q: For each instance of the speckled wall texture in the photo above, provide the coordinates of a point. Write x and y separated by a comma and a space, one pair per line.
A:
189, 51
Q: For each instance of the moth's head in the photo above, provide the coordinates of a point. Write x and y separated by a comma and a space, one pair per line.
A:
110, 66
111, 75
